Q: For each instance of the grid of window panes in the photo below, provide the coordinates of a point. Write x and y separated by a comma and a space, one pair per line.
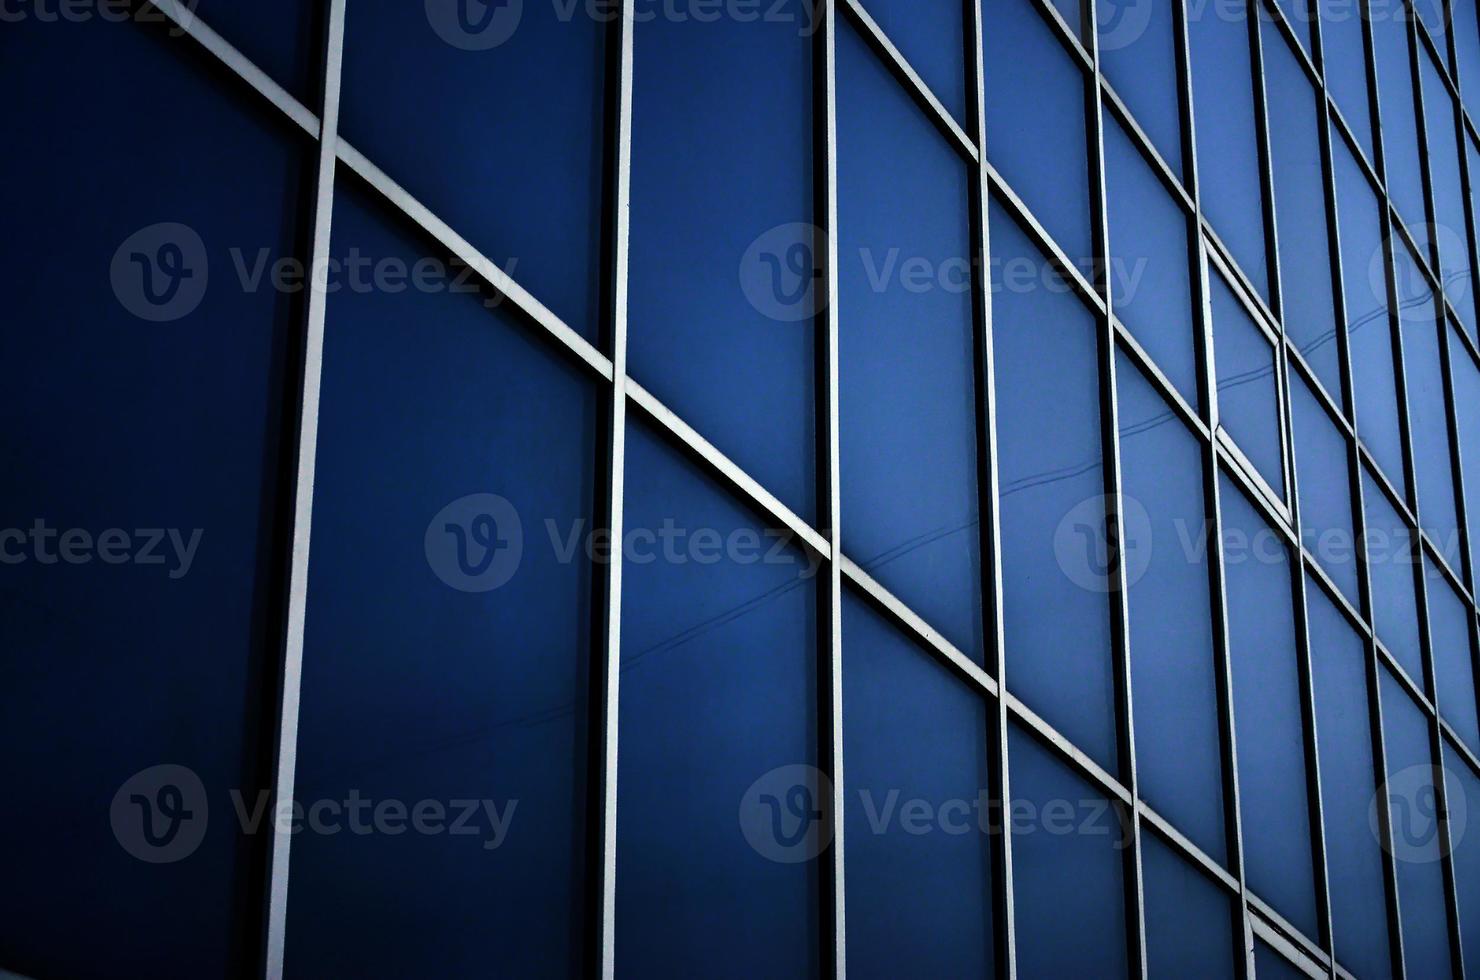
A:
1016, 454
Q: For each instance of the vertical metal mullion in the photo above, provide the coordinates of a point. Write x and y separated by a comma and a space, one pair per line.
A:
1241, 924
830, 657
1315, 799
1135, 912
290, 682
988, 486
608, 674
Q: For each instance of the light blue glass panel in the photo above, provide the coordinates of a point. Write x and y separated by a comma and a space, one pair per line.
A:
1324, 475
1450, 229
1466, 378
1454, 663
1248, 388
1400, 148
1138, 47
1463, 790
1342, 27
930, 35
1189, 920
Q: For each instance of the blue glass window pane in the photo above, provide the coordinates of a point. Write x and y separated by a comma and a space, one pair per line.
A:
1399, 125
1467, 419
1418, 837
282, 37
1138, 55
431, 673
728, 342
1068, 871
1055, 575
1432, 15
1450, 229
143, 444
1223, 96
492, 117
1354, 860
1392, 554
1324, 475
1072, 13
1267, 712
1272, 965
1428, 414
1373, 376
1298, 15
1035, 98
930, 35
1306, 281
1466, 28
1173, 676
1189, 921
1463, 790
906, 356
918, 817
717, 717
1346, 67
1248, 391
1454, 670
1149, 264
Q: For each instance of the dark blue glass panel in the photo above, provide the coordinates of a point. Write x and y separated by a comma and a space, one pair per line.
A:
1068, 851
1306, 282
1346, 67
1428, 414
141, 518
906, 357
282, 37
728, 342
1467, 418
432, 676
1223, 97
719, 696
1324, 475
1392, 554
1173, 676
1454, 670
930, 35
1449, 230
1463, 790
1418, 836
1266, 711
492, 117
1035, 98
1373, 375
1149, 261
1271, 965
1055, 575
918, 817
1189, 922
1138, 55
1466, 28
1399, 124
1354, 861
1248, 391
